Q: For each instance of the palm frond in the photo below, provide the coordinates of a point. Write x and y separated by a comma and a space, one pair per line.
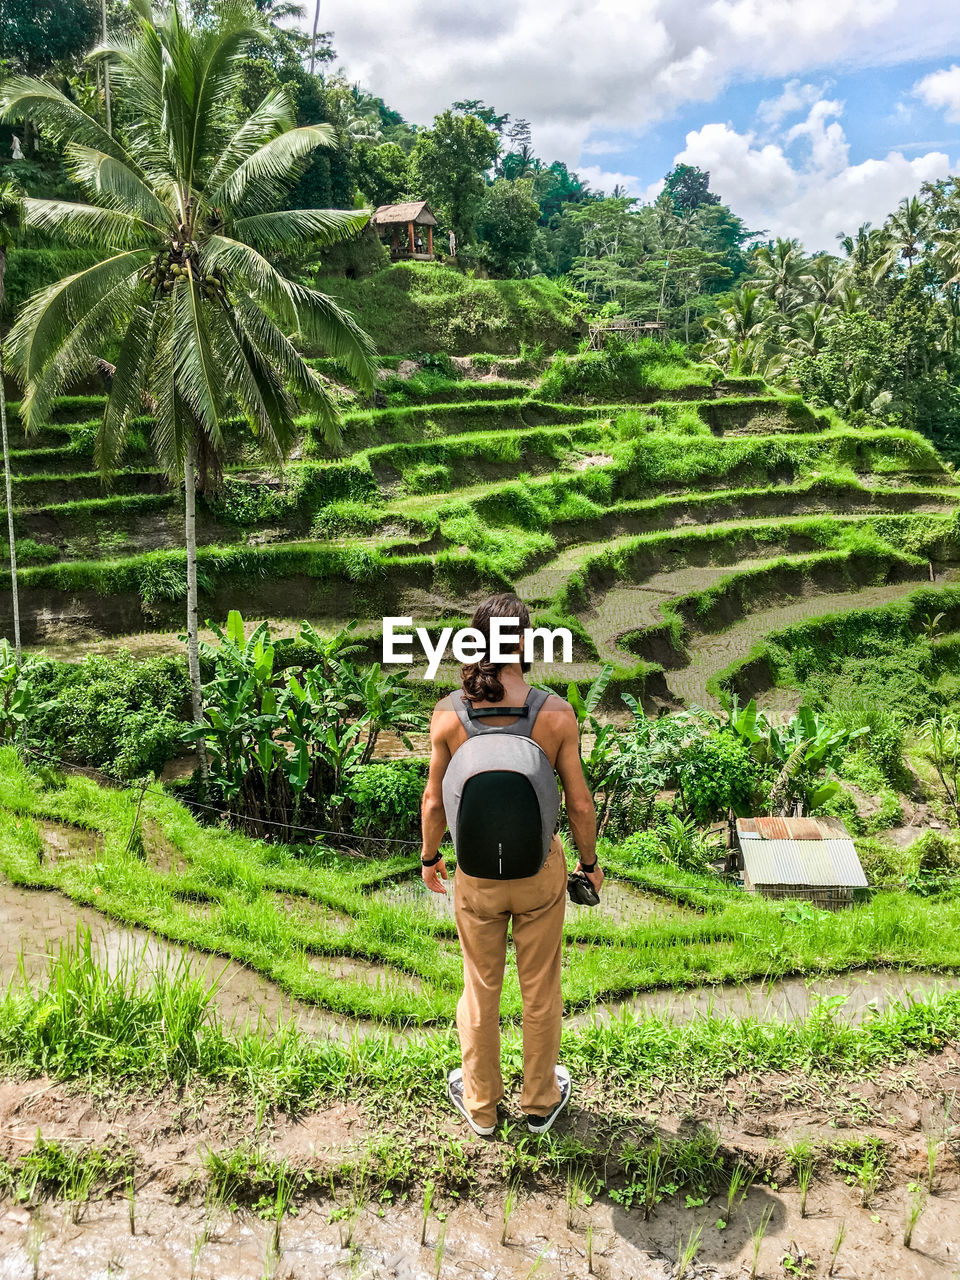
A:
200, 382
274, 115
76, 354
115, 185
51, 314
288, 228
129, 387
270, 167
23, 97
85, 224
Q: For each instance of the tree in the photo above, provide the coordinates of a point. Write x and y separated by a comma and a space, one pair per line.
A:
689, 187
382, 173
184, 207
11, 213
448, 164
507, 224
34, 34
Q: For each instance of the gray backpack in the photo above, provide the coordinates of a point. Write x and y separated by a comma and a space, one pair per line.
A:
500, 793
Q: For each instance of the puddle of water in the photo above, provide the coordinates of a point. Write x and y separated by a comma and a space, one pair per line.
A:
353, 969
622, 904
37, 922
783, 999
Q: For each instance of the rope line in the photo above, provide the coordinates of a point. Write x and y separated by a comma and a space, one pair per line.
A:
227, 813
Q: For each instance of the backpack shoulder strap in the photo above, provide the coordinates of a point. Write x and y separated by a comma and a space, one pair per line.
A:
470, 718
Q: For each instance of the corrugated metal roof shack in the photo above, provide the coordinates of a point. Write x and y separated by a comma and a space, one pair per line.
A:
809, 858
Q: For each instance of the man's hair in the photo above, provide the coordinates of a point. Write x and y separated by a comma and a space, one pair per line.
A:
481, 679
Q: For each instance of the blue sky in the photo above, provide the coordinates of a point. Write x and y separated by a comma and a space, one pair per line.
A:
812, 115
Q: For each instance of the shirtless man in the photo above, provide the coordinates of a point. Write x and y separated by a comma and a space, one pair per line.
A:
534, 902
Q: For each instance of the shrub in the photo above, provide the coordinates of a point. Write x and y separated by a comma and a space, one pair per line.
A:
718, 774
640, 848
621, 369
387, 798
119, 714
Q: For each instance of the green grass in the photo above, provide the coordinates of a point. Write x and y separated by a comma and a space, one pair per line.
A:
146, 1029
411, 308
222, 895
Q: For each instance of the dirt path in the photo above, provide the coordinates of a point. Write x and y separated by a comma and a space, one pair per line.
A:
177, 1234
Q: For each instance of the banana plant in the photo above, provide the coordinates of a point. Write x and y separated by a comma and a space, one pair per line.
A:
287, 723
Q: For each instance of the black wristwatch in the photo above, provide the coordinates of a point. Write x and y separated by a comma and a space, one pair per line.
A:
593, 866
432, 862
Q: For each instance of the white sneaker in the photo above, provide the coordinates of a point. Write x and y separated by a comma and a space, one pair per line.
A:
540, 1124
455, 1094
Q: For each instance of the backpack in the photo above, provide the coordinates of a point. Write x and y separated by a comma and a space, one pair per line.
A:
500, 793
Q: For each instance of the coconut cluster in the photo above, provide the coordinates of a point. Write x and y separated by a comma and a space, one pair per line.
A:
172, 263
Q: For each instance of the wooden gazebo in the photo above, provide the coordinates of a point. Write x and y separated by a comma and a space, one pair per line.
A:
624, 327
399, 220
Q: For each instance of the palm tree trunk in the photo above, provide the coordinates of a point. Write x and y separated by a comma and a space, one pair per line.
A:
106, 71
193, 627
313, 42
15, 594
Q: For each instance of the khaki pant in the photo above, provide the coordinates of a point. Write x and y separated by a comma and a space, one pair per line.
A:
483, 909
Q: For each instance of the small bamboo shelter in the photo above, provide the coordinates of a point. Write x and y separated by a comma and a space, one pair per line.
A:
400, 223
809, 858
624, 327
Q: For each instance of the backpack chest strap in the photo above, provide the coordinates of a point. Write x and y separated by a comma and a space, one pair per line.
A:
470, 717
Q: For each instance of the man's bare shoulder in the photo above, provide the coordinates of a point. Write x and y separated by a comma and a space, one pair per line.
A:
557, 714
444, 716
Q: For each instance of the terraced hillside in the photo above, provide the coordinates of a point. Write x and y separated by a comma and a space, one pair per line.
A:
673, 528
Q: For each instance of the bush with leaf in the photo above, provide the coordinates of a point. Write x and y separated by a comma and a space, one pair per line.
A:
286, 741
386, 798
719, 774
120, 714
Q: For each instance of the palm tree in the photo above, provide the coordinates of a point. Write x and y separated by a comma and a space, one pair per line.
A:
739, 336
809, 327
779, 272
186, 206
904, 234
10, 220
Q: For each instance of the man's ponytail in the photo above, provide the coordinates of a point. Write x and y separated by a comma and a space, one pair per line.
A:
481, 679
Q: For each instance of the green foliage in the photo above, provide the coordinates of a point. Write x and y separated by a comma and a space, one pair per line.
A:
39, 33
424, 307
718, 774
621, 370
506, 226
447, 167
18, 694
387, 798
120, 714
285, 741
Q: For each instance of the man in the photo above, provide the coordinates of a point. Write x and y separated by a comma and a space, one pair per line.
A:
533, 898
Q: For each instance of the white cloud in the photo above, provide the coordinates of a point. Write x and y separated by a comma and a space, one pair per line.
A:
603, 180
941, 90
814, 202
576, 69
829, 152
794, 97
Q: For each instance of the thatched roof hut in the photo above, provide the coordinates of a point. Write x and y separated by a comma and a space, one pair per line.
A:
396, 219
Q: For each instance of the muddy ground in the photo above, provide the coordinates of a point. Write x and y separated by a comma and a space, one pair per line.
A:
178, 1235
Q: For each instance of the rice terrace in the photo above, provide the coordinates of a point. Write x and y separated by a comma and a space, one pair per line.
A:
279, 366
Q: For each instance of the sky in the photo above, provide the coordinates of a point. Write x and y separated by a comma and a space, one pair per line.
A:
812, 116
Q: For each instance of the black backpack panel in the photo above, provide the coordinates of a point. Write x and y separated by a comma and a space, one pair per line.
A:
499, 834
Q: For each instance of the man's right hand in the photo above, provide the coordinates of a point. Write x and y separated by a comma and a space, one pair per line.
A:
596, 876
